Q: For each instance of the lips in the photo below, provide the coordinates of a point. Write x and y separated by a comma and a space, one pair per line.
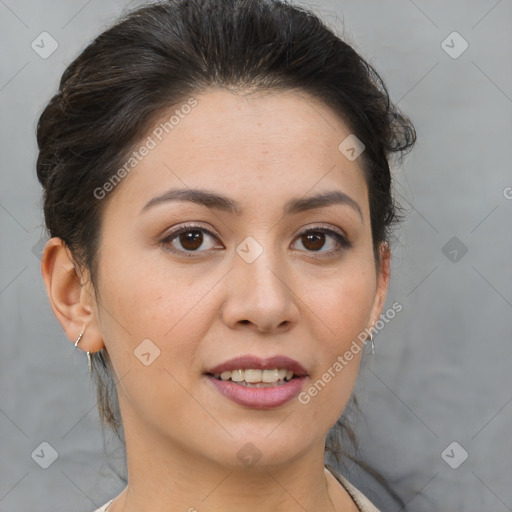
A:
258, 396
257, 363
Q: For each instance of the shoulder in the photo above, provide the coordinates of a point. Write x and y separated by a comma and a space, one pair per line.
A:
104, 507
362, 502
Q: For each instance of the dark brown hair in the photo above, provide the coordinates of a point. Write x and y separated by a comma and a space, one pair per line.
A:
158, 56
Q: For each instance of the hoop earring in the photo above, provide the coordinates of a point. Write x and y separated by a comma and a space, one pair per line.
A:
373, 344
89, 361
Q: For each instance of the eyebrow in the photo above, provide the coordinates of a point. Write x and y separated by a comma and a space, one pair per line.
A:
220, 202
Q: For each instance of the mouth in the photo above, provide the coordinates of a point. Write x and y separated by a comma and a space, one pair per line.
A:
258, 383
256, 378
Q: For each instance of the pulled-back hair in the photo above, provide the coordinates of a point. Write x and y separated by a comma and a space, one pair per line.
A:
160, 55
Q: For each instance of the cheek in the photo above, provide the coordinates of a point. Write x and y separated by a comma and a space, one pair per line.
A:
342, 308
152, 324
140, 297
343, 303
153, 301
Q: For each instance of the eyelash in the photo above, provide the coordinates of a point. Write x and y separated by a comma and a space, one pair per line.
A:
343, 243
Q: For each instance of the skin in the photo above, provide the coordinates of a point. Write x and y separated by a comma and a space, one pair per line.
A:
298, 299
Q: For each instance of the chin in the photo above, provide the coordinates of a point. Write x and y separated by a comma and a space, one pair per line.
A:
267, 449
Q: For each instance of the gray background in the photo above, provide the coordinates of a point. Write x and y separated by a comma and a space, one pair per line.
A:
442, 370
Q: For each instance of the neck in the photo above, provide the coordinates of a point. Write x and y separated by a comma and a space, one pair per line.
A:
164, 477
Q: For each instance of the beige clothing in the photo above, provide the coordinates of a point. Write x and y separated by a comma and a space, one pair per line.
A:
362, 502
104, 507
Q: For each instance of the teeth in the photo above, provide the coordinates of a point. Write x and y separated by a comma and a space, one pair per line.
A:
250, 376
270, 376
237, 376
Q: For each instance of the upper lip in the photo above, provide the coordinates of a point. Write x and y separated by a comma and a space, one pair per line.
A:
257, 363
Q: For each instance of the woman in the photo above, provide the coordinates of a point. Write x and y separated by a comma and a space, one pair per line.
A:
218, 193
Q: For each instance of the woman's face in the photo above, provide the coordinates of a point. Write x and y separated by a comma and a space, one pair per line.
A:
185, 286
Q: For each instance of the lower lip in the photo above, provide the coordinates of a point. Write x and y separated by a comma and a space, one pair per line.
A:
259, 398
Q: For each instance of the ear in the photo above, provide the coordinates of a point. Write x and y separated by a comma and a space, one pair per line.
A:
383, 275
72, 301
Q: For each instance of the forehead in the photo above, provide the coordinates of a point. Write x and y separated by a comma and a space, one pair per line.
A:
291, 121
260, 146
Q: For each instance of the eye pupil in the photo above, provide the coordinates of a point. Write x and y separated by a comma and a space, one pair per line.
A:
317, 240
191, 240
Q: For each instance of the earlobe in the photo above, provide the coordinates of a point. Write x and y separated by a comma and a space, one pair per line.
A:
70, 301
383, 276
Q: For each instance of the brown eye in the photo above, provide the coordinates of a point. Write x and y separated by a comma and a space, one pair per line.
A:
189, 239
313, 241
316, 241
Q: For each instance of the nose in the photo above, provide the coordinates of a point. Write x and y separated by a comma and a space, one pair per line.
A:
261, 295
